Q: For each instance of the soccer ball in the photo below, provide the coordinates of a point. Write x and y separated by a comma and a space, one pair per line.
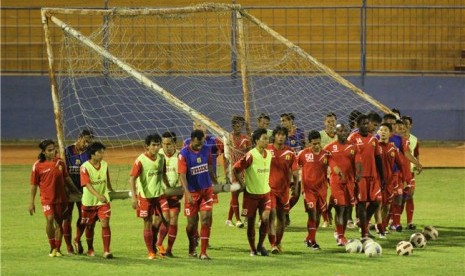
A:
354, 246
418, 240
404, 248
373, 249
430, 233
365, 241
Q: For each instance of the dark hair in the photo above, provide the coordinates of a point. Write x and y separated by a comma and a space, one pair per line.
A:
313, 134
43, 145
152, 137
400, 122
237, 119
279, 129
289, 116
353, 117
395, 110
407, 118
331, 114
257, 134
374, 117
197, 134
360, 118
389, 116
169, 134
387, 125
86, 132
263, 116
94, 147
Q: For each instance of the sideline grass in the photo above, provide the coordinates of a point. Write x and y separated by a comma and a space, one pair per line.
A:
439, 201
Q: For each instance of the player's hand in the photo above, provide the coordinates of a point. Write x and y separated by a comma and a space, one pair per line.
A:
32, 209
189, 197
102, 199
418, 168
134, 203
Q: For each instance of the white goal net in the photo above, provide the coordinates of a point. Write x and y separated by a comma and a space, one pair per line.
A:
126, 73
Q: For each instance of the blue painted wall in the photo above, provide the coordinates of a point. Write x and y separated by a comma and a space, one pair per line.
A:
436, 104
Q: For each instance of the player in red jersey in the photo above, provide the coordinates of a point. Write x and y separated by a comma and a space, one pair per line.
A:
283, 167
241, 145
345, 171
368, 188
49, 174
314, 164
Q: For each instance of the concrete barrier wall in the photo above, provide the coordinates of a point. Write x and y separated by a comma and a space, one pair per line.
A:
436, 104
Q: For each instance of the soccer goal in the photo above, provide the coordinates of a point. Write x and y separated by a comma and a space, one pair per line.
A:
126, 73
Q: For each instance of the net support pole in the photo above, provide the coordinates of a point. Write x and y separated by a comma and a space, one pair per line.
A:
312, 60
54, 87
213, 126
244, 71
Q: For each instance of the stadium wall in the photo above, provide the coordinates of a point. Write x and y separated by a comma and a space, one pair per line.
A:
436, 104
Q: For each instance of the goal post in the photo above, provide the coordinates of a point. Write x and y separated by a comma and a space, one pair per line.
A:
126, 73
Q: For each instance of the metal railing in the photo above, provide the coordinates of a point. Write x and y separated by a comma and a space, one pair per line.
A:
350, 39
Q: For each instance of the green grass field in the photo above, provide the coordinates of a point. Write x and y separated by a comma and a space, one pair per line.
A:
439, 201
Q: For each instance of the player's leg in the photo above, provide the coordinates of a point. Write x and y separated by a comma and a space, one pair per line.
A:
312, 225
191, 213
249, 210
295, 195
50, 229
89, 215
272, 229
172, 230
163, 209
67, 229
205, 220
80, 228
409, 203
265, 215
281, 211
104, 215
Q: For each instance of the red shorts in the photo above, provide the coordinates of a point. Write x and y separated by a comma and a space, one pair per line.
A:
202, 201
342, 194
252, 203
280, 200
91, 213
390, 190
58, 210
147, 207
368, 189
315, 201
174, 203
410, 188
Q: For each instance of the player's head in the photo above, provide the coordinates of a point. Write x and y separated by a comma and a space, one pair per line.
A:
384, 131
84, 139
353, 118
287, 120
314, 140
389, 118
153, 143
96, 151
400, 128
330, 122
260, 137
199, 126
263, 121
168, 142
374, 121
197, 139
237, 123
363, 123
47, 150
342, 132
408, 121
279, 135
396, 113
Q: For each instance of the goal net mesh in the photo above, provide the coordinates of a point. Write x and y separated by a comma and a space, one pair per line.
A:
201, 58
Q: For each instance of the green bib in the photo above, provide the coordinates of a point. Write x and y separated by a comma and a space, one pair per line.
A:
150, 181
257, 175
98, 180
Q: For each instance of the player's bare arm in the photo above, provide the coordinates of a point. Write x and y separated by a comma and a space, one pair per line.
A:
32, 207
187, 194
132, 186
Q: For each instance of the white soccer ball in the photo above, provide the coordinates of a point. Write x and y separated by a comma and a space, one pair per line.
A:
365, 241
418, 240
430, 233
373, 249
404, 248
354, 246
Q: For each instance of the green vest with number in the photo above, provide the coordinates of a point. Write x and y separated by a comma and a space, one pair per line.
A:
99, 181
150, 181
257, 175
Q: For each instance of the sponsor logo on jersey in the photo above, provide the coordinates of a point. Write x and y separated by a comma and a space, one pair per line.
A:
199, 169
77, 162
199, 160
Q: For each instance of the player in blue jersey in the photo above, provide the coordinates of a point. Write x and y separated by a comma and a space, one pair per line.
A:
197, 177
75, 155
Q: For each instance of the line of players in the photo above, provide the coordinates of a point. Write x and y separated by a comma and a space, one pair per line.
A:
286, 154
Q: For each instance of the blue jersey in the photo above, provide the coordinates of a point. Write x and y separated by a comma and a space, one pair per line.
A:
74, 160
296, 140
195, 167
215, 146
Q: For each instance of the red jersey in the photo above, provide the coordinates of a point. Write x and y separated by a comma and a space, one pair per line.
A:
314, 169
343, 156
283, 163
368, 148
50, 177
390, 156
241, 145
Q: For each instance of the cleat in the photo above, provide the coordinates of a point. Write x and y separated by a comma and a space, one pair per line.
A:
325, 224
351, 224
280, 248
239, 224
336, 236
392, 227
274, 249
382, 236
263, 251
161, 250
411, 226
253, 253
315, 246
90, 253
78, 247
53, 253
152, 256
58, 254
192, 254
399, 228
169, 254
108, 255
341, 241
204, 257
229, 223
